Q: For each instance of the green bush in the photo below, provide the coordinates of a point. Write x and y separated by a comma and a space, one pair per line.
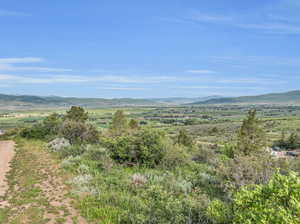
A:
277, 202
73, 150
146, 147
176, 155
37, 131
78, 132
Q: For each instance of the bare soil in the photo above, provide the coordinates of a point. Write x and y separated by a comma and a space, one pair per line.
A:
7, 153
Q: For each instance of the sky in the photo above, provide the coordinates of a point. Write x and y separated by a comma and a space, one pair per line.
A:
149, 49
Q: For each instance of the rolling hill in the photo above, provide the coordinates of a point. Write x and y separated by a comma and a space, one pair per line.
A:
26, 102
292, 97
183, 100
31, 102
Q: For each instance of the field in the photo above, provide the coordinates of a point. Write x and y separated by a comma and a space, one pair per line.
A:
214, 124
176, 164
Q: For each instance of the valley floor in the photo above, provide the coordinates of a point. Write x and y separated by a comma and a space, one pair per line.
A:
37, 193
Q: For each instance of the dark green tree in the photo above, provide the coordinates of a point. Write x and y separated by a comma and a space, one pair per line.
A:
79, 132
52, 123
76, 114
119, 124
251, 135
183, 138
133, 124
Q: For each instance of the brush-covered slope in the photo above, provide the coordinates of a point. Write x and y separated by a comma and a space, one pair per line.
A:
292, 97
25, 101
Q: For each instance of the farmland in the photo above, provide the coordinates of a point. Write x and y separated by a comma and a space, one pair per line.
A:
215, 124
163, 164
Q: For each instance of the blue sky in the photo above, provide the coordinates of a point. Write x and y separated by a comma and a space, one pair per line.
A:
155, 48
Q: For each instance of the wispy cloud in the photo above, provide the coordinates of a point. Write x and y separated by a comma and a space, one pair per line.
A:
280, 18
211, 18
46, 79
258, 60
124, 88
20, 60
201, 71
280, 27
221, 87
11, 13
8, 64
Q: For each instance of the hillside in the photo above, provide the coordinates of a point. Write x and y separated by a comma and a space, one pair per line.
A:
292, 97
183, 100
26, 101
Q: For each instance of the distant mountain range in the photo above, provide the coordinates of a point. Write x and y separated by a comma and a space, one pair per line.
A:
31, 102
183, 100
292, 97
26, 101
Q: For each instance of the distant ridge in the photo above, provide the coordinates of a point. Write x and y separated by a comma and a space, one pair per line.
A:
27, 101
13, 102
292, 97
183, 100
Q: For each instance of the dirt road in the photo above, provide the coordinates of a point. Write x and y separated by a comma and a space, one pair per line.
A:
6, 154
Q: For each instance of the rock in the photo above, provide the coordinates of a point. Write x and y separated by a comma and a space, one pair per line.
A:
58, 144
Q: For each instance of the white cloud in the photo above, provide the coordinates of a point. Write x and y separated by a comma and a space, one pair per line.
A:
11, 13
8, 64
46, 79
200, 17
201, 71
123, 88
220, 87
258, 60
20, 60
281, 17
7, 77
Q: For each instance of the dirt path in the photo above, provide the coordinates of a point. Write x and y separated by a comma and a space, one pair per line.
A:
7, 152
37, 193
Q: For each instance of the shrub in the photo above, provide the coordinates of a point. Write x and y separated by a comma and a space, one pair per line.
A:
278, 201
37, 131
72, 150
176, 155
183, 138
244, 170
147, 147
79, 132
219, 212
43, 130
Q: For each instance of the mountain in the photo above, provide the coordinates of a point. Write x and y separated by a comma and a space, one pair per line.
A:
183, 100
292, 97
26, 101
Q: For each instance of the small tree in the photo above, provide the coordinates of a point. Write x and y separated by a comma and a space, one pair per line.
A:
183, 138
76, 114
119, 123
52, 123
133, 124
251, 135
79, 132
